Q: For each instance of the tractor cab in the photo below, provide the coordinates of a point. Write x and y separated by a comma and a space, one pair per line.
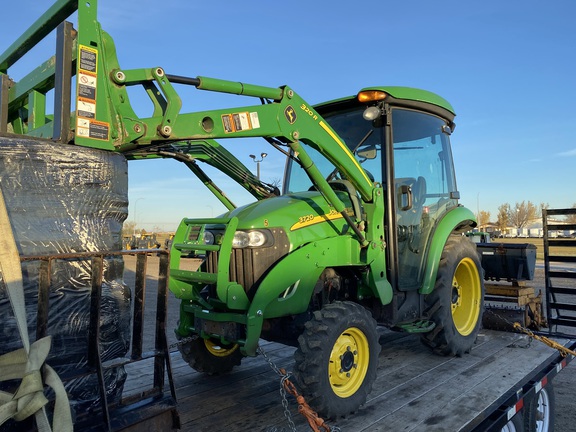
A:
402, 144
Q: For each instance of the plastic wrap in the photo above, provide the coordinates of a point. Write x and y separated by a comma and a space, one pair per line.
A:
68, 199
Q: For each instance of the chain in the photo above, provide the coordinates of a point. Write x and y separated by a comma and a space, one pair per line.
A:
283, 378
532, 336
182, 341
286, 386
275, 368
511, 325
553, 344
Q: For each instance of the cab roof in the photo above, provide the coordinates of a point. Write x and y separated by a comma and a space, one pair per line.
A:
399, 94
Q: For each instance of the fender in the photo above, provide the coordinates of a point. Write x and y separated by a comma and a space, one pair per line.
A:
288, 287
457, 220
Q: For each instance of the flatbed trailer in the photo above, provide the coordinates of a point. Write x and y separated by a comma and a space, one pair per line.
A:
415, 390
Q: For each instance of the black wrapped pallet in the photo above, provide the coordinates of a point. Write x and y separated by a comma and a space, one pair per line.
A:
68, 199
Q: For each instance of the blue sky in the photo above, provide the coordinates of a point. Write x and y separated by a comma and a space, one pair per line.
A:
508, 68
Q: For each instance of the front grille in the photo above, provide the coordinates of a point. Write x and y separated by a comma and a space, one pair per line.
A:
194, 233
247, 266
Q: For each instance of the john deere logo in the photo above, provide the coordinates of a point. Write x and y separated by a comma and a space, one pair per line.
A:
290, 114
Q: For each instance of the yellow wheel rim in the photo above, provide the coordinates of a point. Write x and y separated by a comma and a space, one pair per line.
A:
466, 296
349, 362
218, 350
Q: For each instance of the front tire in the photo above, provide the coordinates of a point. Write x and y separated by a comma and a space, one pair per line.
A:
211, 357
456, 303
337, 358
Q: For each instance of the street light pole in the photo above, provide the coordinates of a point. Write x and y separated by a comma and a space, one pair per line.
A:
262, 156
136, 202
478, 211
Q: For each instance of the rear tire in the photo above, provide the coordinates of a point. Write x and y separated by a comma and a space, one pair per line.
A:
514, 425
539, 414
456, 303
211, 357
337, 358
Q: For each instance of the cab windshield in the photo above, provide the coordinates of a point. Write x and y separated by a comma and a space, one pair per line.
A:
361, 137
421, 151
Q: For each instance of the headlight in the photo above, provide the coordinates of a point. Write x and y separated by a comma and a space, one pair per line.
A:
252, 238
208, 238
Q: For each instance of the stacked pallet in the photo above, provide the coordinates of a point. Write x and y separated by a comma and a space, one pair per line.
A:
68, 199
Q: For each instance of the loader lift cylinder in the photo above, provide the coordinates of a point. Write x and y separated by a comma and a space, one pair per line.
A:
232, 87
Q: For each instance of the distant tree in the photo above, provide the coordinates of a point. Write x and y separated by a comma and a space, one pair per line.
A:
483, 218
522, 214
503, 219
571, 218
276, 182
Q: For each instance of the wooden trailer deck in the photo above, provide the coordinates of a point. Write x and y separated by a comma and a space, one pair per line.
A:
415, 389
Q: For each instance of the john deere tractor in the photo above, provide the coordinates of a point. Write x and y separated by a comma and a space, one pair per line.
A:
367, 232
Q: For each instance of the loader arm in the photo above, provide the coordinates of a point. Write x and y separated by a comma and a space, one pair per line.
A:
213, 154
104, 117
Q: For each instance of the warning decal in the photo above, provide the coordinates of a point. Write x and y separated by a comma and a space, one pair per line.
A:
86, 124
86, 108
88, 59
239, 122
93, 129
87, 85
254, 120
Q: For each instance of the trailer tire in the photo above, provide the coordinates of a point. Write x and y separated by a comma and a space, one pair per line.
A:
337, 358
455, 305
539, 414
514, 425
211, 357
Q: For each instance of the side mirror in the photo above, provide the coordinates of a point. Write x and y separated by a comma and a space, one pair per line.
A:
368, 152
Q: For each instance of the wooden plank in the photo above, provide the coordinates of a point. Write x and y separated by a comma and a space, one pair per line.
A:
459, 400
421, 382
415, 390
508, 291
469, 403
246, 399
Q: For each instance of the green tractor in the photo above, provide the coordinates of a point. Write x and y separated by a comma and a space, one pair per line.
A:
374, 237
367, 230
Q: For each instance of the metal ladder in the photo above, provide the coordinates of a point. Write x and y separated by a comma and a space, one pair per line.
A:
560, 270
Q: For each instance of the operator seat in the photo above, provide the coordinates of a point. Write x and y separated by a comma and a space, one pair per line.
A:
419, 193
411, 216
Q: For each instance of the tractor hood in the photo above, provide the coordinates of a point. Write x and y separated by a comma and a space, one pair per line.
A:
309, 217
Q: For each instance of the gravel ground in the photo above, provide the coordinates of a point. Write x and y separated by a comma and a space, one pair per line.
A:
564, 383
